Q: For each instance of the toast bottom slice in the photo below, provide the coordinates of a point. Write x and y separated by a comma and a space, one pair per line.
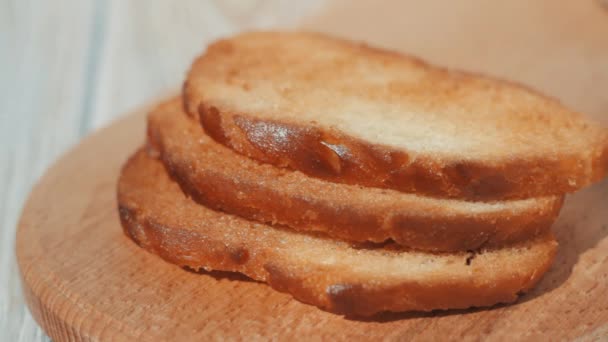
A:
221, 179
330, 274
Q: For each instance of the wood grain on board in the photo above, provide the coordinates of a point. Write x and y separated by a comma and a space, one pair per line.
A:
84, 280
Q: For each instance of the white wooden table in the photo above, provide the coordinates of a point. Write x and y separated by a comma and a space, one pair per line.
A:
70, 66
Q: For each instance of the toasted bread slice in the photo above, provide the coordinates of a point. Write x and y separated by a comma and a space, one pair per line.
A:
350, 113
224, 180
320, 271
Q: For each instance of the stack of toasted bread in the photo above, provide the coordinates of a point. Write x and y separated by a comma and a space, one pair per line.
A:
356, 179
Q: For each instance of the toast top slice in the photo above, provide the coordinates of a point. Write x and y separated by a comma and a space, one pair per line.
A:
327, 273
353, 113
223, 180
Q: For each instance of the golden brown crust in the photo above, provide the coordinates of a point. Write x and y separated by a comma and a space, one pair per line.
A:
221, 179
328, 153
336, 157
313, 269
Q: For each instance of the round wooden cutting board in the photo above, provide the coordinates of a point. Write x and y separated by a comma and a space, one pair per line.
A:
84, 280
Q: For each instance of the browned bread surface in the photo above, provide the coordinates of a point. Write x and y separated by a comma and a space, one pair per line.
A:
350, 113
316, 270
224, 180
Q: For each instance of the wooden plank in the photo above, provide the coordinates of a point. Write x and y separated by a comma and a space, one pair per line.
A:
42, 93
